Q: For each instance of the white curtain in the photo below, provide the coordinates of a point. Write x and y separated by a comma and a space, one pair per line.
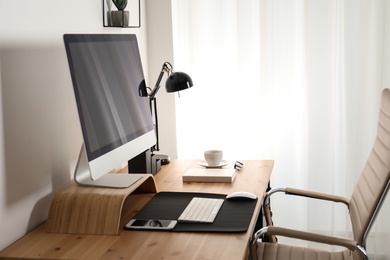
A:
295, 81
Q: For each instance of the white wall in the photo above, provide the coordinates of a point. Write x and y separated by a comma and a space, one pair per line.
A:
160, 50
39, 130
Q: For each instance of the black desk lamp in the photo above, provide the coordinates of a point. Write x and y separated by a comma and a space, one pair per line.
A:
176, 81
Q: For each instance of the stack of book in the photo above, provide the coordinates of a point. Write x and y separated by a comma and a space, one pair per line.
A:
209, 175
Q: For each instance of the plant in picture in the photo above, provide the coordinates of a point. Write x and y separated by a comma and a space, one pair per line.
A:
120, 4
120, 17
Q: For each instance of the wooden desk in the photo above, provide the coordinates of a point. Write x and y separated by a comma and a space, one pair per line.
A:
254, 177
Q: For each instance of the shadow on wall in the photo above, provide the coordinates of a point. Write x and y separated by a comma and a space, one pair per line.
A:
41, 129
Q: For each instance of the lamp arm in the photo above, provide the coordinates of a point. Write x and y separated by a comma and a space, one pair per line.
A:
167, 67
153, 109
157, 86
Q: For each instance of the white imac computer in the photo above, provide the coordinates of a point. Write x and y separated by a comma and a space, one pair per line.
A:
115, 116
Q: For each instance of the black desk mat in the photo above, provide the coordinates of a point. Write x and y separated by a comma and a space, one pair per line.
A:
233, 217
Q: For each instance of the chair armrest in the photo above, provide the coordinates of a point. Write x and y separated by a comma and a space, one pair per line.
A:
297, 192
317, 195
306, 193
308, 236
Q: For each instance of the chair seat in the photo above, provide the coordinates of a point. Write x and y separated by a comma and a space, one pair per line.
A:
276, 251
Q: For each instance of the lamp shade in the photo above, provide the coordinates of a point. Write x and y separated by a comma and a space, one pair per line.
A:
178, 81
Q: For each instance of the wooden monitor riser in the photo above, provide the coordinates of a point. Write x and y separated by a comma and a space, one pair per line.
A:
92, 210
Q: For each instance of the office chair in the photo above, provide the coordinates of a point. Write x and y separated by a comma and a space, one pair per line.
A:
364, 204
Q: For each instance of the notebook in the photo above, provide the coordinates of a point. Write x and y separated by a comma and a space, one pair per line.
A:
209, 175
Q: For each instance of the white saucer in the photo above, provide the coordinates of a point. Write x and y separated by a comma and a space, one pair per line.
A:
221, 164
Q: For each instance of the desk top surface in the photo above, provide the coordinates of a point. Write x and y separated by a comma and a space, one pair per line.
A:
254, 177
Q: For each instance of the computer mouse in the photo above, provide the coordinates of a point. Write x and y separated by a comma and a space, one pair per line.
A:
242, 195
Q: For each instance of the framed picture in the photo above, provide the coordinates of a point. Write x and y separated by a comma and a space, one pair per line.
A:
122, 13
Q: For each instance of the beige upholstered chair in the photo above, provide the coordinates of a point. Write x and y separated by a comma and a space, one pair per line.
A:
364, 204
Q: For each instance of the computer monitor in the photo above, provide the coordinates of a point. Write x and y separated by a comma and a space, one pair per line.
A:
115, 116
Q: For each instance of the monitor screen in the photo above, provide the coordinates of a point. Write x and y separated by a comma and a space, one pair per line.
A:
108, 80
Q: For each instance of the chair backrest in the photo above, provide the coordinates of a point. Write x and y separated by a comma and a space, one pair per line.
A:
373, 182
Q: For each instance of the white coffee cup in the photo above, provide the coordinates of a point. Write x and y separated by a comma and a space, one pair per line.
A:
213, 157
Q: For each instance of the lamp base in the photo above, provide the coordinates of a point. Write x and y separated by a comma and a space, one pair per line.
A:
164, 159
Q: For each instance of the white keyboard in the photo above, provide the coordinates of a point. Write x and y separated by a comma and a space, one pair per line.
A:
201, 210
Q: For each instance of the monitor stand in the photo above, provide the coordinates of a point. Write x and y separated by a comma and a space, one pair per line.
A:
82, 176
97, 209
